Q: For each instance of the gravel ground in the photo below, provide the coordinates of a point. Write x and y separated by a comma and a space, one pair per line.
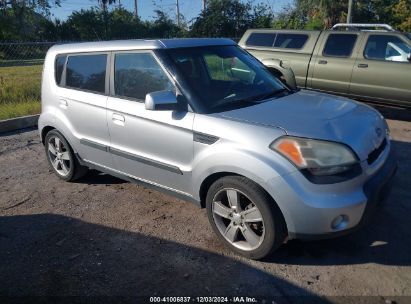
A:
102, 236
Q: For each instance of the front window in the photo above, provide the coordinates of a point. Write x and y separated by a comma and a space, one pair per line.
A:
225, 77
137, 74
387, 48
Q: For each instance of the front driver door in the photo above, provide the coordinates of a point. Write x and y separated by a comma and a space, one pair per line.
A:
383, 72
334, 62
153, 146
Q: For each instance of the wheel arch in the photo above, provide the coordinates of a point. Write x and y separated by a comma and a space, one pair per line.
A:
209, 180
277, 67
44, 132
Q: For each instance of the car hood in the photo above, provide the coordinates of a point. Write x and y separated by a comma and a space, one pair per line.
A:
320, 116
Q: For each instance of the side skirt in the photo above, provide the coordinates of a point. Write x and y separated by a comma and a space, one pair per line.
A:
130, 179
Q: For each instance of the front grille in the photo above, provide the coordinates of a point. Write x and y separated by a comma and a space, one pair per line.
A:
376, 153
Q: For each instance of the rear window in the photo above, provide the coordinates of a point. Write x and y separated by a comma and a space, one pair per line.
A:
278, 40
339, 45
290, 41
261, 39
59, 67
87, 72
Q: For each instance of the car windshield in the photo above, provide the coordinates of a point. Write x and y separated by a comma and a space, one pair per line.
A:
225, 77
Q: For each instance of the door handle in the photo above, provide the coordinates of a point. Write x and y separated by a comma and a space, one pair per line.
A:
323, 62
118, 118
363, 65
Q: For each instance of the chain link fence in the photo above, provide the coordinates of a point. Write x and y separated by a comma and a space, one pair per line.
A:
23, 53
21, 65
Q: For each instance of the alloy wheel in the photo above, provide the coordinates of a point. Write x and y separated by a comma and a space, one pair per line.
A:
238, 219
59, 156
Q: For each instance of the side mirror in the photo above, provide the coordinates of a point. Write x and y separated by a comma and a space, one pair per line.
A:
161, 101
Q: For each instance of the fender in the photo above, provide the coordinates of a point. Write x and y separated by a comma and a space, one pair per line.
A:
245, 164
282, 68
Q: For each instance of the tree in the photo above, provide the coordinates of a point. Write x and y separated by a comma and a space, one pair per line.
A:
402, 15
19, 6
104, 5
84, 25
262, 16
322, 14
230, 18
163, 26
22, 19
123, 25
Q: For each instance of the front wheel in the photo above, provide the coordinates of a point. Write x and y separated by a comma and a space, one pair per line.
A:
244, 217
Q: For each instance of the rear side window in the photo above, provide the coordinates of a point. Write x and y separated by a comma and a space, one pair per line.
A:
290, 41
59, 67
87, 72
339, 45
261, 39
137, 74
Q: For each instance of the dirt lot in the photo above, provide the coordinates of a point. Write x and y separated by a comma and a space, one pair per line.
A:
102, 236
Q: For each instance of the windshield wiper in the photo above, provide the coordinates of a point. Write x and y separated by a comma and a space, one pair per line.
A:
251, 99
271, 94
234, 102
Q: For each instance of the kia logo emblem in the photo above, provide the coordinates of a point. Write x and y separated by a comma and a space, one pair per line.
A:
378, 131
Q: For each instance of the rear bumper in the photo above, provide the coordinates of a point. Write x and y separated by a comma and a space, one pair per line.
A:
376, 189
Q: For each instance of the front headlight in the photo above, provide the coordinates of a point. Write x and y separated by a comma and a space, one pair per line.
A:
318, 157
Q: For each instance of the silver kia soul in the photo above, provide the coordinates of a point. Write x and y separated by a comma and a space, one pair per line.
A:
206, 121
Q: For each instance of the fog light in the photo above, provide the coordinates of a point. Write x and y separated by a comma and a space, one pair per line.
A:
340, 222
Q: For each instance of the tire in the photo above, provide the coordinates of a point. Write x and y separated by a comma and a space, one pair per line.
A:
242, 231
61, 158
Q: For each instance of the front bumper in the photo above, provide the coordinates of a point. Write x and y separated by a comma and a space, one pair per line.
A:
309, 213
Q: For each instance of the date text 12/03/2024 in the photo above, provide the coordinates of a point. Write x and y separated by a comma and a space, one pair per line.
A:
236, 299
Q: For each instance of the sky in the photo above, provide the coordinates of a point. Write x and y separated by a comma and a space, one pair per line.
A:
188, 8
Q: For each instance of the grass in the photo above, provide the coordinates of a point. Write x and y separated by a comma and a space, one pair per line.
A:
20, 91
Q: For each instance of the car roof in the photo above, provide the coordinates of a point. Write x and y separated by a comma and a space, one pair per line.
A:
138, 44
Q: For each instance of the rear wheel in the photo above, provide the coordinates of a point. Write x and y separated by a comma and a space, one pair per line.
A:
61, 157
244, 217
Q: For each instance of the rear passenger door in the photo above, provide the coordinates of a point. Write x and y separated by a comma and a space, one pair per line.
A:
153, 146
333, 62
82, 99
382, 71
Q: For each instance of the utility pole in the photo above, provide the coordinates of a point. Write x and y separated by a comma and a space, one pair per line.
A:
135, 9
204, 5
178, 13
350, 6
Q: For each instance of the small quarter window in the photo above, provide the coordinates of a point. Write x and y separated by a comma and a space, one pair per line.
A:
59, 67
290, 41
87, 72
137, 74
339, 45
261, 39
